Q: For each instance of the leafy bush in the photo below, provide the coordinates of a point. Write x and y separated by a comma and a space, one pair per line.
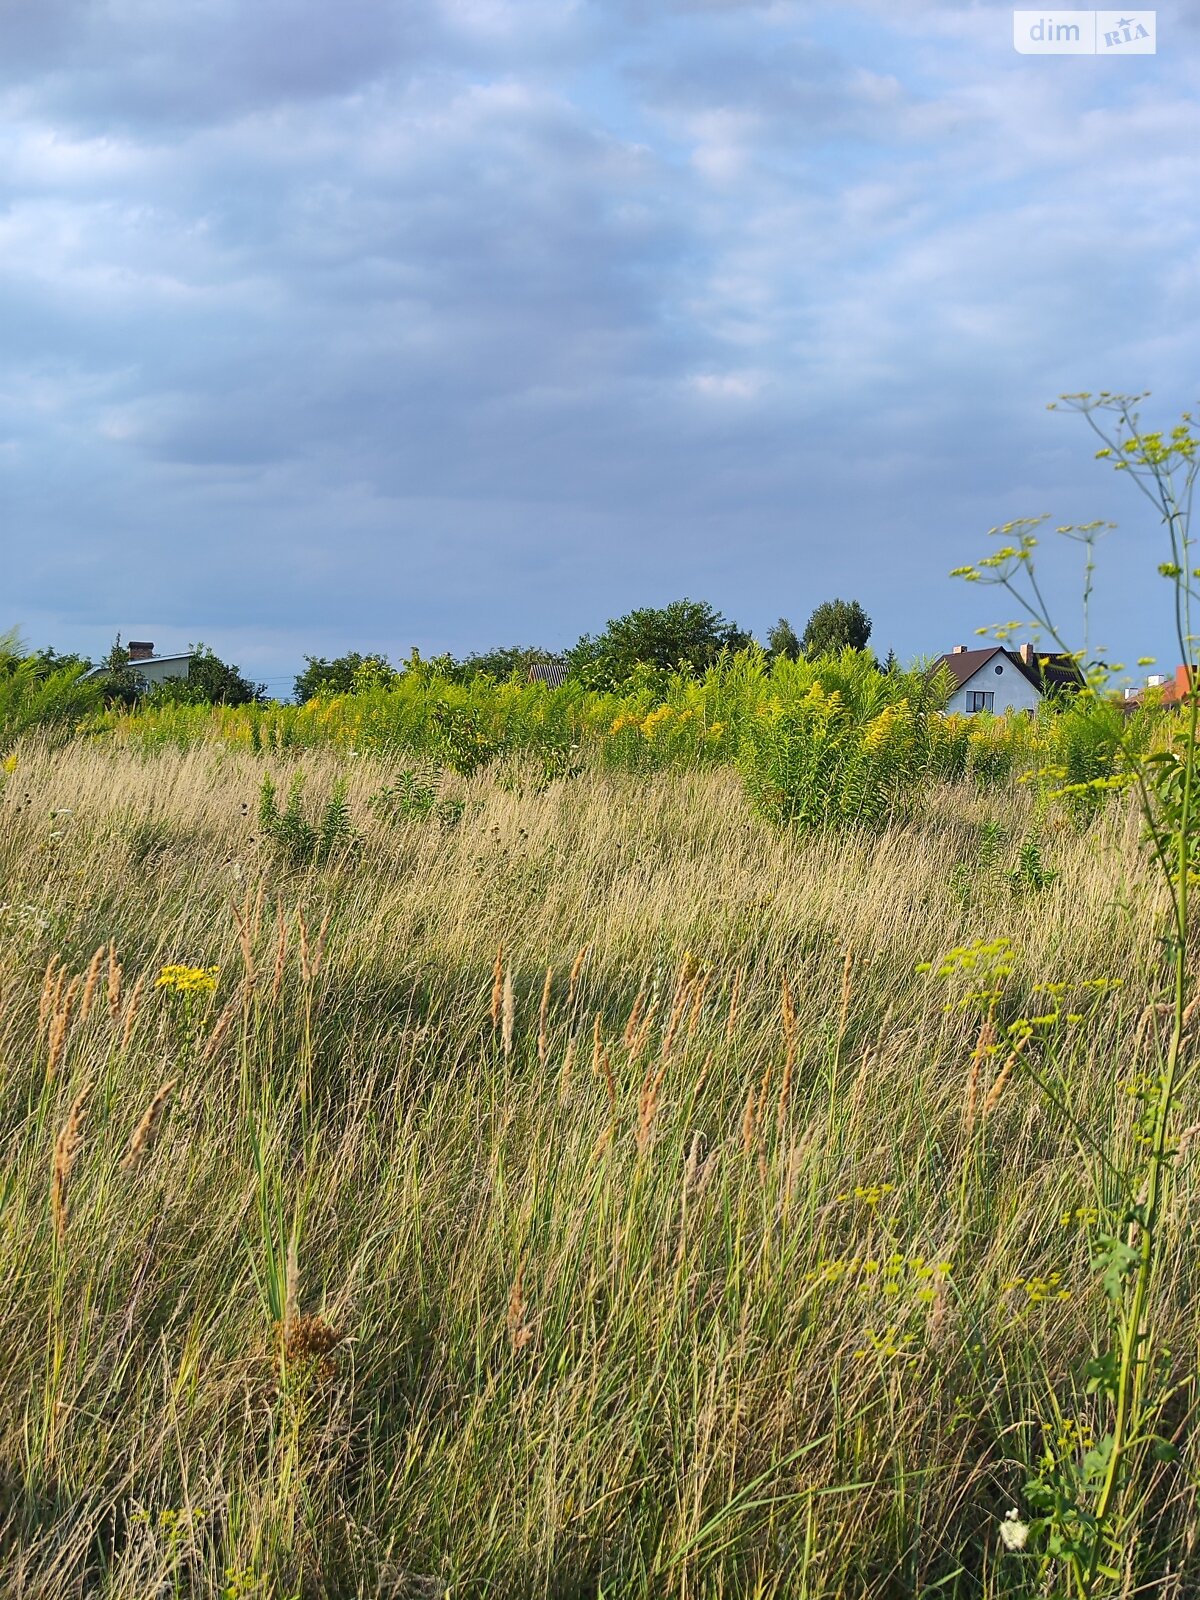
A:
463, 737
38, 695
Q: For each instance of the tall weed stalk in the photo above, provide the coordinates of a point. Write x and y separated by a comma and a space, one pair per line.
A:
1091, 1530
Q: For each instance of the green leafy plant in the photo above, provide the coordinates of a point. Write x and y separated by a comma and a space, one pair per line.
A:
463, 737
300, 840
413, 796
37, 695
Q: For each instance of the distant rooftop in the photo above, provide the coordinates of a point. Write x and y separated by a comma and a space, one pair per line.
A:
553, 673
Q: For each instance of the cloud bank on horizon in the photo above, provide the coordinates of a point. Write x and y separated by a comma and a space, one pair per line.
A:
466, 322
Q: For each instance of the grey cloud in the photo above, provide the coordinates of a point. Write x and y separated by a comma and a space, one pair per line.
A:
450, 330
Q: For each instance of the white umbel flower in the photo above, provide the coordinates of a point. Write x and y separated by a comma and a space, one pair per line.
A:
1013, 1532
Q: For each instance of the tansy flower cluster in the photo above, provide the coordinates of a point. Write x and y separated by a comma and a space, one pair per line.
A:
1080, 1217
869, 1193
988, 955
1038, 1290
884, 1344
888, 1275
188, 980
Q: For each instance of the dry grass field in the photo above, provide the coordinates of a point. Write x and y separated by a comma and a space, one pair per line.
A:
590, 1198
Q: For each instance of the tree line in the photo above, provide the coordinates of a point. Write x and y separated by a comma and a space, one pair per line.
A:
686, 635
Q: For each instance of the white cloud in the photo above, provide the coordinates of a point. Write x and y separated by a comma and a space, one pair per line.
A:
727, 385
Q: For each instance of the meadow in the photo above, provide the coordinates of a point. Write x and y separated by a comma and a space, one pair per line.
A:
570, 1157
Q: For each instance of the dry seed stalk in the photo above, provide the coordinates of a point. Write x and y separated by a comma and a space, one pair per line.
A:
699, 994
789, 1064
131, 1010
643, 1033
602, 1066
49, 987
678, 1006
846, 970
698, 1089
60, 1023
983, 1047
635, 1017
601, 1145
311, 956
692, 1164
749, 1119
564, 1077
690, 1168
280, 952
497, 985
1002, 1077
508, 1014
519, 1331
89, 987
145, 1129
860, 1084
543, 1043
609, 1082
576, 968
114, 983
55, 998
245, 937
734, 997
66, 1153
221, 1027
648, 1107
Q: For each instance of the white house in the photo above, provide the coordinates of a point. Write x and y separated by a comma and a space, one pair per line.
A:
148, 667
999, 680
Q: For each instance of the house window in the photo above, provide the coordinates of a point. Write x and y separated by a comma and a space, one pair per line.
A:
980, 700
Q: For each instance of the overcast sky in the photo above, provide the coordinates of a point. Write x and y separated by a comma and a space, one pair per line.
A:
469, 322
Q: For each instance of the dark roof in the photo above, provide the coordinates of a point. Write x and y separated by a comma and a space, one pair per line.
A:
553, 673
1047, 670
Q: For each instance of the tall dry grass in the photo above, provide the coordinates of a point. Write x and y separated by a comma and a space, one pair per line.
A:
590, 1198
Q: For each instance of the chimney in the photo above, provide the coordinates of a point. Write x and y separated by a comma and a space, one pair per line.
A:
1183, 681
140, 650
1027, 654
959, 650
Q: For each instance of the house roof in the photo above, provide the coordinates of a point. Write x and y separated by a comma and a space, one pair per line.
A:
1045, 670
144, 661
553, 673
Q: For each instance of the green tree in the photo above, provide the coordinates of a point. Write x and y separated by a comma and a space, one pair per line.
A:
348, 674
502, 663
783, 641
119, 683
686, 635
50, 660
209, 681
836, 625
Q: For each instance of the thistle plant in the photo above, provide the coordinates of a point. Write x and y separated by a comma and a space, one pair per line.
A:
1090, 1502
